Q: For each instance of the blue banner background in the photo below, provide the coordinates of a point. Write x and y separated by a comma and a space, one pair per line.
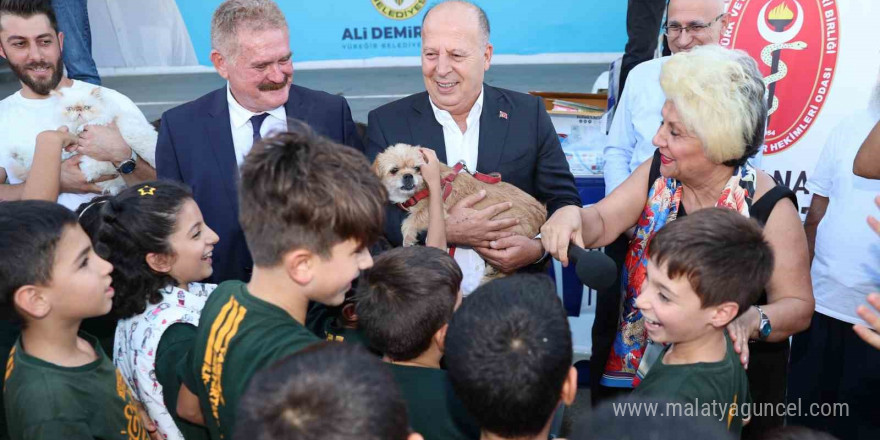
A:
519, 27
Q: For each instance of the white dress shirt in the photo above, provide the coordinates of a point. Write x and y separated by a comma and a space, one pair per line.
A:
464, 146
243, 130
635, 123
844, 269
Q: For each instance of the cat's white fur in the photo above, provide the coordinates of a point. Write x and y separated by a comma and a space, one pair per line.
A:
76, 108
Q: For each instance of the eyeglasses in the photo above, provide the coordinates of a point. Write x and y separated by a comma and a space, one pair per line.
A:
674, 30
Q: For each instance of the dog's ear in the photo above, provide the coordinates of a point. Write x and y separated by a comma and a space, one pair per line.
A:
375, 166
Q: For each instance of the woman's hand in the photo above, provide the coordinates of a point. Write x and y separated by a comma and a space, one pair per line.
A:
741, 330
431, 169
563, 227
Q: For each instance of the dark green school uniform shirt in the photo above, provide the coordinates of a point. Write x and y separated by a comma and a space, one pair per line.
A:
171, 356
433, 408
47, 401
336, 333
238, 335
701, 384
323, 321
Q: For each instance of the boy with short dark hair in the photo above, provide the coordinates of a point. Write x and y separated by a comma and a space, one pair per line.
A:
59, 383
509, 354
341, 323
404, 305
308, 208
328, 391
704, 270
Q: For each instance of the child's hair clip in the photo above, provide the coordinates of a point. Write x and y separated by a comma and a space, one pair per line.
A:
147, 190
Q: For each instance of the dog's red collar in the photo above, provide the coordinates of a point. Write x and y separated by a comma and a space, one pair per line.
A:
446, 184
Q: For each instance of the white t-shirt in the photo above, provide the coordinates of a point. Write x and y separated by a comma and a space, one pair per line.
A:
464, 147
847, 251
22, 119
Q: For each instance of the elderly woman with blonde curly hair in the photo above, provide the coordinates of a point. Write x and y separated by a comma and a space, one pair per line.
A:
713, 122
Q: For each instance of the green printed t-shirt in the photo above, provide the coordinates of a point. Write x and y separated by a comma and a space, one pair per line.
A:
48, 401
238, 335
706, 386
434, 410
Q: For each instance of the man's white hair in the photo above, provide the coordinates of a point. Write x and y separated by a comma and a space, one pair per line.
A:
234, 16
719, 94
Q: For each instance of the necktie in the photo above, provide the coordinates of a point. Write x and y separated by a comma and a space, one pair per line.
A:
257, 122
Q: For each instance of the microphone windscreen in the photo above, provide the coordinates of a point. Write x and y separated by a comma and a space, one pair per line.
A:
595, 269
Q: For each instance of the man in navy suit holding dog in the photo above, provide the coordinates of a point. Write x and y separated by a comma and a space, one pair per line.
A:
202, 143
491, 129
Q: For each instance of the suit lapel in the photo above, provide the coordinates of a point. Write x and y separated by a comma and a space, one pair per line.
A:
220, 139
494, 122
426, 131
295, 107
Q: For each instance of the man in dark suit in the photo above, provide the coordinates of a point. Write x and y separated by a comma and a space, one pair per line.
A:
491, 129
202, 143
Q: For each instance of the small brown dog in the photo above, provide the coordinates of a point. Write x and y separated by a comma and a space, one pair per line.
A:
399, 167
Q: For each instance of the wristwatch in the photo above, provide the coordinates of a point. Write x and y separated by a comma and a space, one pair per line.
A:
764, 328
127, 167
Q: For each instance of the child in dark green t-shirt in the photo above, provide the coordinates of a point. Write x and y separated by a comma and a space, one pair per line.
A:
404, 304
308, 208
703, 272
59, 383
509, 355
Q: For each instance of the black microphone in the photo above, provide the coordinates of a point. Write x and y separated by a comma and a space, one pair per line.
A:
595, 269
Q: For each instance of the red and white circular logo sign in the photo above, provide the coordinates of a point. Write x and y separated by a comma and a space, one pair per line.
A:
795, 43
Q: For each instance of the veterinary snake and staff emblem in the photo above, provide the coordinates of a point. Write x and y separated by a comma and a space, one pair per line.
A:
767, 58
806, 35
778, 37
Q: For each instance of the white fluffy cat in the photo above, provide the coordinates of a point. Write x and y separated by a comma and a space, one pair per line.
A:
77, 108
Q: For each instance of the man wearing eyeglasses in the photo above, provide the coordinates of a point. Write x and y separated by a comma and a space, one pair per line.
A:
689, 23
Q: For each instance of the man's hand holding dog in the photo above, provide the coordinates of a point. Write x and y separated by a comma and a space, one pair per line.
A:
474, 227
511, 253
